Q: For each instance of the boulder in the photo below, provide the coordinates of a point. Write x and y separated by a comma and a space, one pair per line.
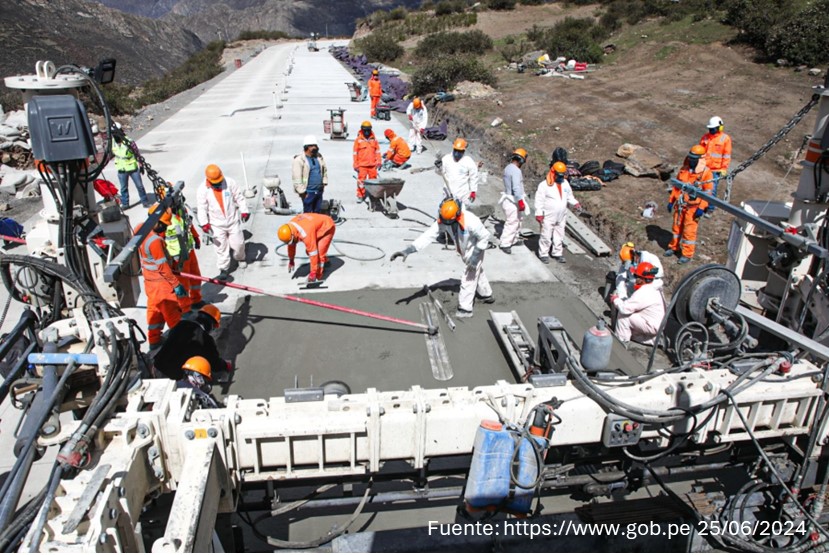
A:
626, 150
641, 161
815, 71
9, 131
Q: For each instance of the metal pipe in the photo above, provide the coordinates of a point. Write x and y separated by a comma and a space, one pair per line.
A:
22, 364
41, 408
26, 320
63, 358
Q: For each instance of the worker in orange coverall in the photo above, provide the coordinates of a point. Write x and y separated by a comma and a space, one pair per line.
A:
317, 232
687, 210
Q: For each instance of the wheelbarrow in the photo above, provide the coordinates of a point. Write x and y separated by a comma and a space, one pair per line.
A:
385, 191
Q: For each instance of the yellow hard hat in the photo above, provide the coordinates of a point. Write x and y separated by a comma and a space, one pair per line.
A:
375, 72
213, 174
199, 365
520, 152
560, 167
213, 312
626, 252
449, 210
459, 144
698, 150
366, 124
284, 233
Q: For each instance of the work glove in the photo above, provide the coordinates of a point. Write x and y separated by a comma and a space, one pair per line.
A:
206, 228
229, 366
577, 207
291, 266
539, 219
403, 254
245, 217
521, 206
312, 277
180, 291
196, 242
698, 213
472, 196
613, 298
670, 207
411, 118
422, 131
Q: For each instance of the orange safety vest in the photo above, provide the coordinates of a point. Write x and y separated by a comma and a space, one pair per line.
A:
399, 151
366, 151
701, 180
308, 228
374, 87
717, 150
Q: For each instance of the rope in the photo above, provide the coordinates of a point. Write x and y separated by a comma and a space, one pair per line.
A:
340, 251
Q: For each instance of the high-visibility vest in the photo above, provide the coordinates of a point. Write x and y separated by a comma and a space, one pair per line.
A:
178, 235
150, 263
124, 158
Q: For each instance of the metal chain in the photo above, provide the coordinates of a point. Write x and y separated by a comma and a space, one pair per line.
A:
159, 184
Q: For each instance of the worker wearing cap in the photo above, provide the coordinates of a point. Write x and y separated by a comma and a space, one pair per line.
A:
687, 210
309, 175
161, 286
630, 257
460, 173
471, 240
717, 146
398, 154
181, 240
222, 209
198, 376
640, 316
552, 198
316, 231
512, 199
419, 119
375, 91
191, 338
367, 159
124, 151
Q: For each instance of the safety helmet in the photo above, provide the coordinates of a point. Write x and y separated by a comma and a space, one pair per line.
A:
459, 144
309, 140
697, 150
560, 167
213, 173
417, 103
626, 252
389, 134
450, 209
715, 122
213, 312
375, 72
166, 218
645, 270
365, 125
284, 233
520, 153
199, 365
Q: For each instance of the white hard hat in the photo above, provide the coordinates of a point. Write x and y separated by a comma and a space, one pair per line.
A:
117, 125
309, 140
715, 121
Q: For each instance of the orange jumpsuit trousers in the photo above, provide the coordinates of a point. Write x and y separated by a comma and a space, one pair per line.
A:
193, 286
159, 285
316, 231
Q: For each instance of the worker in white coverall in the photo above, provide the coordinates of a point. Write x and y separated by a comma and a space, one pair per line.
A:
630, 258
551, 200
471, 241
512, 199
419, 119
221, 210
641, 315
460, 173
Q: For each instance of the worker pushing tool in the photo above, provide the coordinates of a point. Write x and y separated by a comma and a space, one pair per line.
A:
398, 154
640, 316
375, 91
367, 159
471, 240
316, 231
222, 209
552, 198
512, 199
460, 173
687, 209
717, 146
182, 240
419, 120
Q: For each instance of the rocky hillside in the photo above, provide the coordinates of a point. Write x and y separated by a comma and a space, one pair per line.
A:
81, 32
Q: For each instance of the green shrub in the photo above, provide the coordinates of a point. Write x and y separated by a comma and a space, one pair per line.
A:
427, 5
10, 99
803, 39
453, 42
263, 35
514, 51
572, 38
444, 73
398, 14
379, 47
118, 98
532, 2
501, 4
446, 7
200, 67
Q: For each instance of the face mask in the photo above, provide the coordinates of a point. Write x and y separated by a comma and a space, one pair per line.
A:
713, 130
457, 155
160, 228
693, 161
366, 133
314, 152
559, 178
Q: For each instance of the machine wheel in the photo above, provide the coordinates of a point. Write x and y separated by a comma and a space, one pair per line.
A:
336, 387
696, 288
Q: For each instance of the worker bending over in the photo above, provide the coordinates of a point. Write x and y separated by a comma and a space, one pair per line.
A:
419, 118
630, 257
375, 91
512, 199
471, 240
222, 209
181, 241
198, 376
460, 173
317, 232
367, 158
640, 316
687, 210
190, 338
551, 200
398, 153
717, 146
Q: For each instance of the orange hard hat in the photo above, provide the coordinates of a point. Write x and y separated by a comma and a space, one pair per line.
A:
626, 252
698, 150
417, 103
166, 218
366, 124
520, 152
449, 210
284, 233
213, 312
645, 270
199, 365
459, 144
375, 72
388, 133
213, 173
560, 167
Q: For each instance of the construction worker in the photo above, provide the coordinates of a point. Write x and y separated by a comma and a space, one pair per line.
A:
161, 286
460, 173
640, 316
181, 240
309, 175
222, 209
375, 92
717, 152
471, 240
512, 199
398, 154
367, 159
630, 257
688, 210
128, 168
317, 232
198, 376
191, 338
552, 198
419, 118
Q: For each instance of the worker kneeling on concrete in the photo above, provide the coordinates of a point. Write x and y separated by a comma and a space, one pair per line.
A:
190, 338
688, 209
398, 154
640, 315
624, 279
199, 377
551, 200
317, 232
471, 240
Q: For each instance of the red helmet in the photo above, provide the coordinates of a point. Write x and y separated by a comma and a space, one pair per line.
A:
645, 271
389, 133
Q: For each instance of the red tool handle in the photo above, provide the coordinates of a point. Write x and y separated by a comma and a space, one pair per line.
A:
13, 239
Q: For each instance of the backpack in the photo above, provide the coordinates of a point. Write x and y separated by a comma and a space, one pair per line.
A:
10, 228
590, 168
585, 184
559, 155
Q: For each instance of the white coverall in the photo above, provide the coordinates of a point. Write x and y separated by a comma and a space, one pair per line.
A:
625, 279
460, 177
640, 315
471, 241
513, 193
551, 201
420, 121
226, 224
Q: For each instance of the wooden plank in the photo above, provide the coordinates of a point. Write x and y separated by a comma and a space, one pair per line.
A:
586, 236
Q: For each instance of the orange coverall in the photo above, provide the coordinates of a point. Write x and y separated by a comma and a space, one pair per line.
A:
399, 151
159, 285
717, 151
366, 160
317, 232
375, 91
685, 222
